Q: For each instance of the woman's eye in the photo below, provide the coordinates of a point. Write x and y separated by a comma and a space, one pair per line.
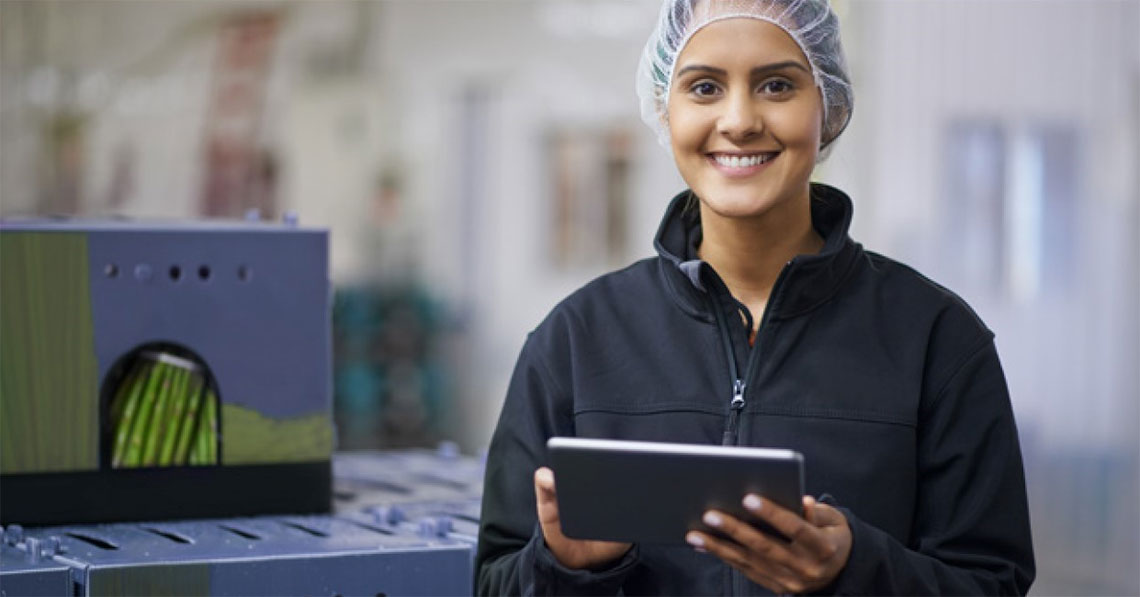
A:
776, 87
703, 89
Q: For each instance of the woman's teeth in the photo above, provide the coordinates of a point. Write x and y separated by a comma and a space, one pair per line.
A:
742, 161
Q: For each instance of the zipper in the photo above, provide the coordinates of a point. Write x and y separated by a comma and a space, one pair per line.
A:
736, 403
734, 408
740, 384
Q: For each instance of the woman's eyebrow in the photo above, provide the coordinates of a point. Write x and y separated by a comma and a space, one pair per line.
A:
702, 68
767, 68
759, 70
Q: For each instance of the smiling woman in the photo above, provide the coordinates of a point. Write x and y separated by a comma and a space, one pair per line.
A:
762, 323
745, 119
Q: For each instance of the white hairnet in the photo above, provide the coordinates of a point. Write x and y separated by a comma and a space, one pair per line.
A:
811, 23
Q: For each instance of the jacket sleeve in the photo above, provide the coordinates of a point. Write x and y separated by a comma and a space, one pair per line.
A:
971, 524
512, 557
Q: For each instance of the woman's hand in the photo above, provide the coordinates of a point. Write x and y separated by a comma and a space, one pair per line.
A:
818, 551
572, 553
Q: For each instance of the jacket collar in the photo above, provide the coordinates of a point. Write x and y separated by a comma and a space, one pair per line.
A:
809, 282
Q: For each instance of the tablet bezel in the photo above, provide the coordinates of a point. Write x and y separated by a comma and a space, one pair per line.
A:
654, 492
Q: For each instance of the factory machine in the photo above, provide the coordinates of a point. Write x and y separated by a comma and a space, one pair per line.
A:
163, 371
165, 425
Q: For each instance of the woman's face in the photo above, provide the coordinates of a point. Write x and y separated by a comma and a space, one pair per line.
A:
745, 117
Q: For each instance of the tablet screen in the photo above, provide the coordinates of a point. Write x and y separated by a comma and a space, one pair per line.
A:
652, 492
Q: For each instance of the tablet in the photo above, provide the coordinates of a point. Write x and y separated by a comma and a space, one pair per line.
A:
649, 492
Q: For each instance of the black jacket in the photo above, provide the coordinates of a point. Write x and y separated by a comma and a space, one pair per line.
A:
887, 383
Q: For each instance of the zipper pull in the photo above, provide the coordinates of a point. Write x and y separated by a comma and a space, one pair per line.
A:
737, 405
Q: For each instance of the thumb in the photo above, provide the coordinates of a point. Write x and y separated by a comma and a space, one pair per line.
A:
809, 509
823, 515
544, 493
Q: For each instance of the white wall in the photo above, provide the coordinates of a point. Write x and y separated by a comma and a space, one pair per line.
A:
1019, 64
538, 66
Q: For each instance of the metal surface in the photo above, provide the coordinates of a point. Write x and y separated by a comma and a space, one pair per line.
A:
251, 301
411, 530
304, 555
370, 478
264, 334
430, 493
27, 567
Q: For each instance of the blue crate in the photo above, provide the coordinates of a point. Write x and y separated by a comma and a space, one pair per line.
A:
456, 521
27, 567
369, 477
443, 467
409, 527
281, 555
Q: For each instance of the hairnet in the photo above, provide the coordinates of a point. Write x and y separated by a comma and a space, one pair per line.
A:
810, 23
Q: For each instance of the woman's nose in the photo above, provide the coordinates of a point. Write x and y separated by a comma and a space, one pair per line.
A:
740, 119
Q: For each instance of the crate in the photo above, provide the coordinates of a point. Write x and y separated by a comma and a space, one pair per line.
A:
455, 521
370, 478
28, 569
276, 555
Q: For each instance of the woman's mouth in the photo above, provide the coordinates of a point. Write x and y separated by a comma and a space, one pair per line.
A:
736, 165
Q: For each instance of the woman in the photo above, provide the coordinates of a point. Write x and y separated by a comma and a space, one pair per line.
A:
760, 322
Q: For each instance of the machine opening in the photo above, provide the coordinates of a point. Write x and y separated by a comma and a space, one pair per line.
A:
159, 408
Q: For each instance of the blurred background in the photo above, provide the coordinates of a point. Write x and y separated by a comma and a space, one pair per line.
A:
478, 160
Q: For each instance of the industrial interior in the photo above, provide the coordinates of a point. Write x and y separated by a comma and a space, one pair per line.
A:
266, 266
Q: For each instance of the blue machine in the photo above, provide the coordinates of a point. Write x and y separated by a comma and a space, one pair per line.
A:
411, 531
28, 568
257, 556
433, 494
250, 301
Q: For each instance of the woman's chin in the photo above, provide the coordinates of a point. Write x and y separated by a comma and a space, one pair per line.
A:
739, 206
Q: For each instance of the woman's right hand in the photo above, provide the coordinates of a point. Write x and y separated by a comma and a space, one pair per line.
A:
572, 553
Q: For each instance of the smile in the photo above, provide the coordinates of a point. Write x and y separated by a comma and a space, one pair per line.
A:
742, 161
739, 165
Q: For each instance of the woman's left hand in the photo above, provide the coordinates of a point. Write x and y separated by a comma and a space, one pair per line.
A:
818, 549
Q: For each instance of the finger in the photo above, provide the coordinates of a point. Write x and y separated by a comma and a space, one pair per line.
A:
781, 519
809, 509
777, 577
544, 482
545, 496
760, 545
735, 556
802, 534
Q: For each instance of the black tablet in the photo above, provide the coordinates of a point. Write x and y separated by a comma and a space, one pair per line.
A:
649, 492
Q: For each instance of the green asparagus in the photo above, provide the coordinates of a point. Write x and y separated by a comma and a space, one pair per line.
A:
188, 427
173, 417
158, 417
141, 427
126, 418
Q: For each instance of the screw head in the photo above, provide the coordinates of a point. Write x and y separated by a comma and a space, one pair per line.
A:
143, 272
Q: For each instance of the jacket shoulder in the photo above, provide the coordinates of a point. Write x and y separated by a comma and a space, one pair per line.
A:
951, 332
609, 294
581, 320
906, 288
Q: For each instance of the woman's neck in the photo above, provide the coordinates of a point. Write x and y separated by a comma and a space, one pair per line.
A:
749, 253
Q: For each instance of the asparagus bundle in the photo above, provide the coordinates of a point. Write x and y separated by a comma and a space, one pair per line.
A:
164, 414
